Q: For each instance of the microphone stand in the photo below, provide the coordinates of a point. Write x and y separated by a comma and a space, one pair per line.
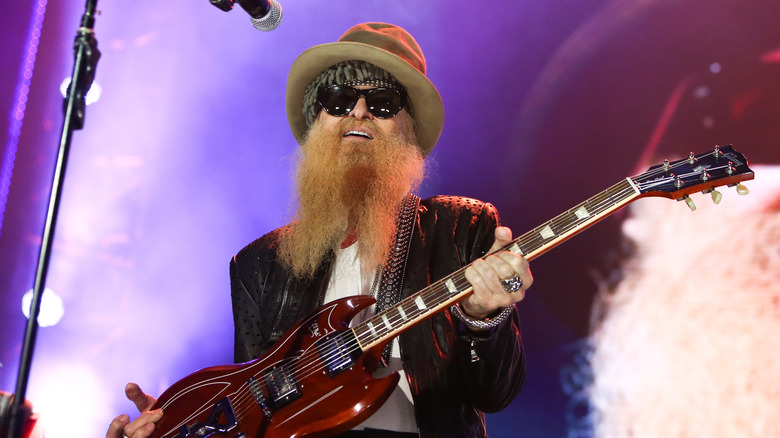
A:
86, 57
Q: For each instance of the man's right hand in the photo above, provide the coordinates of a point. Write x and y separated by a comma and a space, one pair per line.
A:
141, 427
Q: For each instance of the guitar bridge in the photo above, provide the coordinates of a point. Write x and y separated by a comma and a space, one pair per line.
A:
282, 386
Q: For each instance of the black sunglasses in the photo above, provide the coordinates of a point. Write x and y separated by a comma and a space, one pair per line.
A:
339, 100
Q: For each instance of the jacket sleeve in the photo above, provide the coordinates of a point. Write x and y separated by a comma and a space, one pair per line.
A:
247, 318
267, 302
491, 364
250, 278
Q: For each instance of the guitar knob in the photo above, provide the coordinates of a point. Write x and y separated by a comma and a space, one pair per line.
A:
690, 203
716, 196
742, 190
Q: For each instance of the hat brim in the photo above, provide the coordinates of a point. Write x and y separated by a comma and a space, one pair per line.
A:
426, 101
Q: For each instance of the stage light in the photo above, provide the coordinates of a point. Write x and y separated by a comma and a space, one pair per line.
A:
52, 308
701, 92
72, 389
92, 95
715, 67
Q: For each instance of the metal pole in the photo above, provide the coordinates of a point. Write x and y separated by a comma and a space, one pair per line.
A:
86, 58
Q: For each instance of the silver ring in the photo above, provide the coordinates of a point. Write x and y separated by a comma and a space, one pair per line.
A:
513, 284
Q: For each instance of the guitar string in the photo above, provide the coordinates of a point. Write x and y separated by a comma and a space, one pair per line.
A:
686, 162
245, 401
393, 319
353, 345
244, 396
608, 199
309, 363
328, 355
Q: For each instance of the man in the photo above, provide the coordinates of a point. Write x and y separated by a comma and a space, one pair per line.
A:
366, 115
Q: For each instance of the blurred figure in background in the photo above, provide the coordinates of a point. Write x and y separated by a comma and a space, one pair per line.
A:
686, 344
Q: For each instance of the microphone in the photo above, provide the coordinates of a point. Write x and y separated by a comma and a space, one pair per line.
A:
266, 14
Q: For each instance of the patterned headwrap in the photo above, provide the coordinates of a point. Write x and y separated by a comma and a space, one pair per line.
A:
350, 73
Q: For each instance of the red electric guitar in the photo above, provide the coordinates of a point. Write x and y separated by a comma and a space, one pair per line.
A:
316, 381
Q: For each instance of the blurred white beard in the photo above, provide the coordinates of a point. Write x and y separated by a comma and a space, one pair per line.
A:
689, 345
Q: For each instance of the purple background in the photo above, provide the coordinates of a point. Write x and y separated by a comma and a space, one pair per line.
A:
186, 158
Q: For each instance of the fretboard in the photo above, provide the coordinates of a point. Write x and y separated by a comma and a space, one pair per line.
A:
453, 288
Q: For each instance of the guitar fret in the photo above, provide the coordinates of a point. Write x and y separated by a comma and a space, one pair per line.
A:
529, 242
411, 309
600, 201
461, 281
395, 316
615, 195
420, 303
535, 240
564, 223
524, 245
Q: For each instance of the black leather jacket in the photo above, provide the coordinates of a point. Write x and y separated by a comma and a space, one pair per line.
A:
450, 391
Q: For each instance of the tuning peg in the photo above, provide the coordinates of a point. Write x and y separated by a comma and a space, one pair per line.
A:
742, 190
716, 196
690, 203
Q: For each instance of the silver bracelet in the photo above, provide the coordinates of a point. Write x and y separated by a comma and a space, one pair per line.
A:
481, 324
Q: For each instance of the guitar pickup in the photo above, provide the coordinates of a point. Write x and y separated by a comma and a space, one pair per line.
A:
338, 351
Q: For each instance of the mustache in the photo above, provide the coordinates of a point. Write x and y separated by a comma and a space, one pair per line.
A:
349, 123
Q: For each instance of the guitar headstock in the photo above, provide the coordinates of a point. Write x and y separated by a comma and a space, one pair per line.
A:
697, 173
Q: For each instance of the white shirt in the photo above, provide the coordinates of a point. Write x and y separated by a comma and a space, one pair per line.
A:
397, 413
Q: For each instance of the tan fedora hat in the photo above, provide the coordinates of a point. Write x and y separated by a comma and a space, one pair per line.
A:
384, 45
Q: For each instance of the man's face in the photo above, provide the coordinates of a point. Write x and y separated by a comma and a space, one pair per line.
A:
359, 134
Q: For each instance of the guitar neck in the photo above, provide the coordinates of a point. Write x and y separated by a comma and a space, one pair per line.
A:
455, 287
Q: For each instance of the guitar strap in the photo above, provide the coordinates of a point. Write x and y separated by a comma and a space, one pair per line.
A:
391, 276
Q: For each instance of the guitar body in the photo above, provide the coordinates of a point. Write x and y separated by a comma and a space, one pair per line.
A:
305, 386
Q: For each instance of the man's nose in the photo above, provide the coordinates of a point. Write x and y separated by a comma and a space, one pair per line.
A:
360, 110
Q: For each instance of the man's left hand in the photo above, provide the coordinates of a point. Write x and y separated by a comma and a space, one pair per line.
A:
486, 276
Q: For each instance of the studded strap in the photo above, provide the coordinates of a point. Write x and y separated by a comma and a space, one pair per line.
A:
392, 273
